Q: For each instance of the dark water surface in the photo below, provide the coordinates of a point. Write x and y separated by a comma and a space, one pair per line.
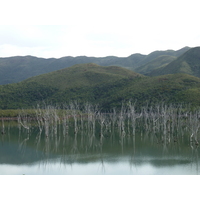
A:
29, 152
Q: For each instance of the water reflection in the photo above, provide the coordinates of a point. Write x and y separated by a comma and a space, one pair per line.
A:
24, 151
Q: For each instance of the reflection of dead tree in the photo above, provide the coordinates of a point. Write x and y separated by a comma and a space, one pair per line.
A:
3, 127
23, 120
101, 154
102, 119
47, 145
56, 143
38, 140
91, 141
75, 146
165, 121
23, 143
195, 157
39, 118
102, 163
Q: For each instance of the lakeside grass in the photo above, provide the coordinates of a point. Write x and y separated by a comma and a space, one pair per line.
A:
12, 113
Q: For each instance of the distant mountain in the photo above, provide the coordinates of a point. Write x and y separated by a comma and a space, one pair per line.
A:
156, 63
157, 54
158, 59
16, 69
106, 86
188, 63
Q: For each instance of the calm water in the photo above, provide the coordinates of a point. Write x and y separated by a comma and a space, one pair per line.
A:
28, 152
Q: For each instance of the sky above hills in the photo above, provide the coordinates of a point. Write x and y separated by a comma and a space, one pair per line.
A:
97, 27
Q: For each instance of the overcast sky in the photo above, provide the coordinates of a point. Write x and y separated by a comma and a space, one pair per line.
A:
97, 27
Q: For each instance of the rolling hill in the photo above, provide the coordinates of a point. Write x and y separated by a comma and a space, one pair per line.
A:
156, 54
188, 63
106, 86
82, 75
158, 62
76, 82
18, 68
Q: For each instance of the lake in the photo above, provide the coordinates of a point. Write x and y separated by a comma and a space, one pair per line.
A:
146, 152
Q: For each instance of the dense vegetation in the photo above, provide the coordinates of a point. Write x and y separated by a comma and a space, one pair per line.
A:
106, 86
79, 82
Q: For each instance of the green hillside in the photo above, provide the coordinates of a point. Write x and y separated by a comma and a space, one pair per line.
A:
150, 57
106, 86
82, 75
158, 62
177, 88
19, 68
76, 82
188, 63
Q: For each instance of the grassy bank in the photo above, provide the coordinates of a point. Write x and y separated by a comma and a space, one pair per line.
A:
12, 113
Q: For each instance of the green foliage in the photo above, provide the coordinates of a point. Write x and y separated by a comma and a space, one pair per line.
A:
82, 75
23, 95
106, 86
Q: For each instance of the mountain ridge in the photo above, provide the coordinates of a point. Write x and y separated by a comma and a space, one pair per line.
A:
18, 68
188, 63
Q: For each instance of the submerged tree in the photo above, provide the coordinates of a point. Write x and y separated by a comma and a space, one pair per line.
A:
165, 123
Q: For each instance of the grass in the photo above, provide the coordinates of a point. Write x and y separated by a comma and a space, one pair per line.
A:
12, 113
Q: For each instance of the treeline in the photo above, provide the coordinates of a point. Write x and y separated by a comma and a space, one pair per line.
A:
143, 90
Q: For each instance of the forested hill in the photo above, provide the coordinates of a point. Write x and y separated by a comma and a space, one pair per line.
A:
78, 82
82, 75
18, 68
106, 86
187, 63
